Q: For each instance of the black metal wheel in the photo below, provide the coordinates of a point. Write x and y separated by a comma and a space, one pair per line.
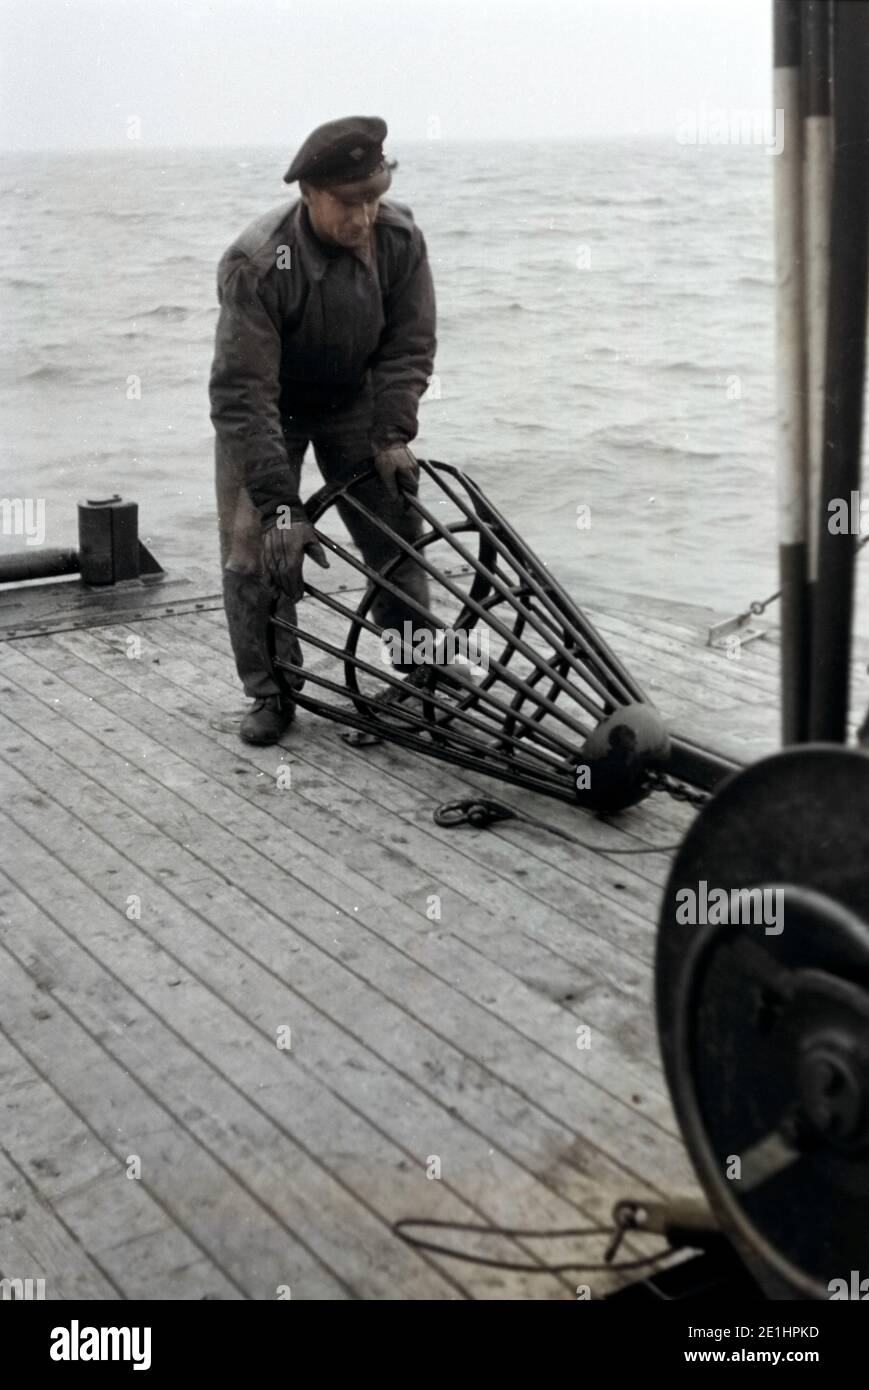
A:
763, 1013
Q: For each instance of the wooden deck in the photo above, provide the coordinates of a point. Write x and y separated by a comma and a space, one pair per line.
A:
169, 907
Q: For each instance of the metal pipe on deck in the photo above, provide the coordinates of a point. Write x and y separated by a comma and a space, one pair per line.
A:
44, 562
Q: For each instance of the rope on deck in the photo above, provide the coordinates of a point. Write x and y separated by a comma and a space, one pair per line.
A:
483, 811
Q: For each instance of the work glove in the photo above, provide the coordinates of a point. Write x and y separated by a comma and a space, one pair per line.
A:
288, 537
397, 466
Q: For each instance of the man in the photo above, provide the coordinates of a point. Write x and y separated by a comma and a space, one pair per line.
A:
326, 335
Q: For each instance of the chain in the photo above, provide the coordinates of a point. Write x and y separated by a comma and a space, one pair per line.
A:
679, 791
760, 605
662, 781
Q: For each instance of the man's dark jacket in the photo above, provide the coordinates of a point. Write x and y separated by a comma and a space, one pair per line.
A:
304, 328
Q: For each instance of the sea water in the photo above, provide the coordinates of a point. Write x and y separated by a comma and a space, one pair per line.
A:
605, 364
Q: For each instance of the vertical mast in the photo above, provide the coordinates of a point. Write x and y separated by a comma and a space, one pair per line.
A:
845, 372
791, 441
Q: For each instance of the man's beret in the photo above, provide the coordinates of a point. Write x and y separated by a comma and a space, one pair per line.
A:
343, 151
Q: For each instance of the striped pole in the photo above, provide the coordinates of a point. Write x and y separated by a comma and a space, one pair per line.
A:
817, 181
845, 371
791, 442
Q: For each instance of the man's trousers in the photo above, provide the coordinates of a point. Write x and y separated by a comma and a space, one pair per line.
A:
341, 444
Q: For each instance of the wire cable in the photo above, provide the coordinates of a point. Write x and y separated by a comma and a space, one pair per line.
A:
508, 1232
483, 811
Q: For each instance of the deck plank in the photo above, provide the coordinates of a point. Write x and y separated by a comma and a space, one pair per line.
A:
282, 802
89, 811
373, 782
72, 1171
404, 982
36, 1245
524, 1007
316, 745
150, 992
97, 1048
413, 1033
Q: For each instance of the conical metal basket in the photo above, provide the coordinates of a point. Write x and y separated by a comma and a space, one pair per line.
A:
496, 668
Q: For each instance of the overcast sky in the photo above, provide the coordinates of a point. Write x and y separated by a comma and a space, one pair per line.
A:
250, 72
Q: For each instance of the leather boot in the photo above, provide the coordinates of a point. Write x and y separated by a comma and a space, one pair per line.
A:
267, 719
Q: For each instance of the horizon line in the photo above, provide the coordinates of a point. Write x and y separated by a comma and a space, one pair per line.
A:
119, 148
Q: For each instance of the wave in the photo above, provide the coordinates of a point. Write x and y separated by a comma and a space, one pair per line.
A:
637, 439
650, 200
47, 372
675, 451
126, 215
603, 354
173, 312
683, 365
526, 426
